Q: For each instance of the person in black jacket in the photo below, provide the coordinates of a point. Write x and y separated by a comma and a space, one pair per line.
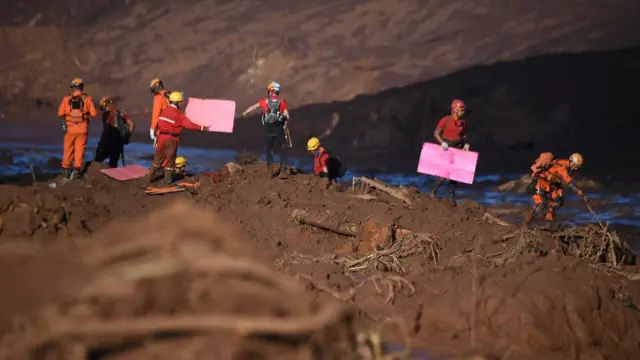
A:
117, 128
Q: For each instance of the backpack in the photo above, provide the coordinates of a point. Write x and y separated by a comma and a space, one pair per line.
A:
336, 166
273, 114
542, 163
121, 125
76, 104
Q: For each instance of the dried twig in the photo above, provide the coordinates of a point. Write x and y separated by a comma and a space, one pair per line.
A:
425, 244
594, 243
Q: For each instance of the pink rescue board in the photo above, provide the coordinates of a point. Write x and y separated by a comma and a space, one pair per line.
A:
125, 173
219, 115
453, 164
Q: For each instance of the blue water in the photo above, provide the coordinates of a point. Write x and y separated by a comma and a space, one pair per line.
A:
612, 208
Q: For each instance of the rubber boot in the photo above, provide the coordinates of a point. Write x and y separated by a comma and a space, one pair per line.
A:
168, 177
76, 174
548, 219
66, 173
434, 190
452, 194
151, 175
282, 172
452, 198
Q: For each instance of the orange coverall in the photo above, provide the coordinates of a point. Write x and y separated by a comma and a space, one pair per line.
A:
549, 188
159, 103
75, 139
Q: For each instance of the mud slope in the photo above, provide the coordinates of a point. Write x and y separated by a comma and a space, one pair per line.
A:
325, 51
452, 280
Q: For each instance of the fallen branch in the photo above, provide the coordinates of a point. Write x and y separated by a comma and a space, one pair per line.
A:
492, 219
396, 193
300, 217
503, 238
627, 274
365, 197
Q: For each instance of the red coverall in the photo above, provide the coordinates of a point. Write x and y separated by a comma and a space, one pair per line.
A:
320, 161
170, 123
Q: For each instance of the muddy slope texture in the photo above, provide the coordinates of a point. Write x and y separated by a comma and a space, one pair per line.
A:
290, 269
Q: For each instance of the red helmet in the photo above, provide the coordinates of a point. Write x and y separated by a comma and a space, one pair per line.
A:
457, 105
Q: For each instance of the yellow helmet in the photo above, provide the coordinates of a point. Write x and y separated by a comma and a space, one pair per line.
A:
181, 161
76, 82
576, 160
176, 96
104, 101
313, 144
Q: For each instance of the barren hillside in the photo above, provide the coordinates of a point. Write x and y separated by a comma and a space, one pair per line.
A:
334, 50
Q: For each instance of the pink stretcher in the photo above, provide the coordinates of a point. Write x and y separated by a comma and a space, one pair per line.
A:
453, 164
219, 115
125, 173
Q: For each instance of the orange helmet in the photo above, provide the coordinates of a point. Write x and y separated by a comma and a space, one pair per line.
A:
156, 84
458, 105
576, 160
104, 102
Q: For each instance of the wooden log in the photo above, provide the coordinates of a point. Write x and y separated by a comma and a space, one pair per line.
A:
396, 193
301, 217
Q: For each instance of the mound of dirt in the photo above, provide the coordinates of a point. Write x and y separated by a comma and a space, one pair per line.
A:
189, 279
420, 275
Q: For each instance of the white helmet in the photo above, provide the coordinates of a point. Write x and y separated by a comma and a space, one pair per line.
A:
274, 86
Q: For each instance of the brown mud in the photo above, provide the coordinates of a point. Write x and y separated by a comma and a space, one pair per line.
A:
253, 267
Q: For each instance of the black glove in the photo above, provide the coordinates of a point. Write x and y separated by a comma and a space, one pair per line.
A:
63, 124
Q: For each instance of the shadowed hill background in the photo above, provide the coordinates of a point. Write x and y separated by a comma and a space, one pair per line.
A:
510, 60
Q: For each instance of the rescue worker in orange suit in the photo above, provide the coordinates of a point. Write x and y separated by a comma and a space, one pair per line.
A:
75, 110
548, 187
117, 128
274, 118
160, 102
321, 159
170, 124
451, 132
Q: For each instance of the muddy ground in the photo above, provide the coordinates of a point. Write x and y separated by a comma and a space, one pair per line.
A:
97, 269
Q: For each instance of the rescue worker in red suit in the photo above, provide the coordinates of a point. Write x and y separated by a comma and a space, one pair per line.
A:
275, 118
76, 109
451, 132
548, 187
170, 124
321, 158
